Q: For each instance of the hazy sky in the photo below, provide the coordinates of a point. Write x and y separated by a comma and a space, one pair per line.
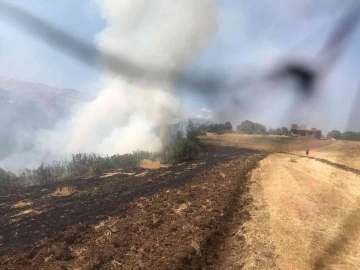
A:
252, 36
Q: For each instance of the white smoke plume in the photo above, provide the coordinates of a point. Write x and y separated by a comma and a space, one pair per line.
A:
164, 34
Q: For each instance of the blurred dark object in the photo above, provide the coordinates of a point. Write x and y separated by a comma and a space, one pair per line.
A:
303, 74
306, 74
87, 53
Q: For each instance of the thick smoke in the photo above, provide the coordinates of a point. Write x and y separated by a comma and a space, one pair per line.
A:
152, 33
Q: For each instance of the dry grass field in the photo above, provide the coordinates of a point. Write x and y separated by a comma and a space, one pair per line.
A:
305, 213
266, 142
313, 213
342, 152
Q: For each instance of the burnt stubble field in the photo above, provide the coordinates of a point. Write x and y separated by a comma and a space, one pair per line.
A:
169, 218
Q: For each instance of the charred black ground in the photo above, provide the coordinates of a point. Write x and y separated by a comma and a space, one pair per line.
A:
167, 218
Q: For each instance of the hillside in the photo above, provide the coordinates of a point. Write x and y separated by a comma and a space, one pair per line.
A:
26, 107
19, 92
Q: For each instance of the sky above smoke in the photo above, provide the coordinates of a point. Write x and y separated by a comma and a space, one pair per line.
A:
250, 38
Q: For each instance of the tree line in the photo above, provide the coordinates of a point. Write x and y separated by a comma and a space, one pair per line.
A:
248, 127
347, 135
215, 127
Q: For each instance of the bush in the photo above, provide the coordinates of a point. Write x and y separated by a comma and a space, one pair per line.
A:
94, 164
184, 150
336, 134
249, 127
192, 132
347, 135
94, 169
179, 135
7, 179
42, 174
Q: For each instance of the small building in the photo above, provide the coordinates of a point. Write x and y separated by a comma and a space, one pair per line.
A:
303, 131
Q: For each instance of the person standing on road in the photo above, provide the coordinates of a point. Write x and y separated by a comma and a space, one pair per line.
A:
307, 151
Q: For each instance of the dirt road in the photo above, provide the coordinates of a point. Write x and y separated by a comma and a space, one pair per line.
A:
312, 216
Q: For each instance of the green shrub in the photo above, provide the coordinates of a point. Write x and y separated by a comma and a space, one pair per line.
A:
93, 164
42, 174
184, 150
7, 179
94, 169
179, 135
192, 132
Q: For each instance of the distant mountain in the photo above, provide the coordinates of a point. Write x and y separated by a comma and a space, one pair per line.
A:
16, 91
27, 107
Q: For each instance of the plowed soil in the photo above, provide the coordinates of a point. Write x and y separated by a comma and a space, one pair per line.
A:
169, 218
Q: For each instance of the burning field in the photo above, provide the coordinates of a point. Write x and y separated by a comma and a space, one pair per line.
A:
169, 218
121, 177
232, 208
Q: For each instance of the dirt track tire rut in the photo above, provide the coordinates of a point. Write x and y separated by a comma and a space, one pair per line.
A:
333, 164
